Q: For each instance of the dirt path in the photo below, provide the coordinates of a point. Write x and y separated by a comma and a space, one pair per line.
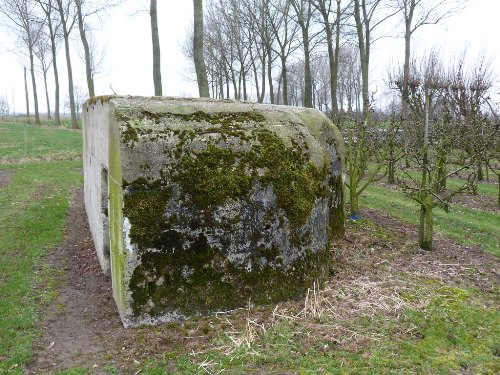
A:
81, 324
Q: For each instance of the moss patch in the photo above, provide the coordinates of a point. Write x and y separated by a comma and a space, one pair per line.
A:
144, 205
199, 279
213, 176
217, 174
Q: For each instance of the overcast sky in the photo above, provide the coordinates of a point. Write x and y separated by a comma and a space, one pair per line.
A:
125, 35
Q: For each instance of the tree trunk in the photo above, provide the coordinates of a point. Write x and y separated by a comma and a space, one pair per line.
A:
74, 122
199, 61
364, 57
479, 169
47, 94
33, 82
337, 215
263, 82
354, 203
441, 168
270, 75
335, 71
284, 78
156, 48
28, 119
308, 99
391, 170
86, 49
57, 116
425, 229
406, 65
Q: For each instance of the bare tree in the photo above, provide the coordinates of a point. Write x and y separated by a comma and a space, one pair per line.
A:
80, 96
28, 119
4, 106
368, 15
304, 14
42, 51
417, 13
21, 15
68, 20
199, 62
53, 24
86, 49
156, 48
285, 34
325, 9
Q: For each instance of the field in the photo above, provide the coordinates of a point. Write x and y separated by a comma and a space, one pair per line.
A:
388, 308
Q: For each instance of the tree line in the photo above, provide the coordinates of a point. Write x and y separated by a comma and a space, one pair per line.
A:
40, 28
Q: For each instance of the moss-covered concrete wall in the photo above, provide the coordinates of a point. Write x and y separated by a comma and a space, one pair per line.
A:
215, 202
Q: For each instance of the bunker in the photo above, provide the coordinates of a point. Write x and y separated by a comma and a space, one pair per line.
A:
197, 205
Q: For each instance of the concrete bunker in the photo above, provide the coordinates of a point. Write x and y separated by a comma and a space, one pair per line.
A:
198, 205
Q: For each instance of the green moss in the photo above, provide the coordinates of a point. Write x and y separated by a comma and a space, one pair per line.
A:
144, 205
103, 99
296, 181
129, 134
116, 220
198, 279
225, 119
213, 176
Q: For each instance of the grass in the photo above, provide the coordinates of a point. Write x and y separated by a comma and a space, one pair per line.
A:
466, 225
32, 217
452, 333
33, 208
19, 142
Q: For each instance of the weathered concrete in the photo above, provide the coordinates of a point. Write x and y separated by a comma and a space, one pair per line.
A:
210, 202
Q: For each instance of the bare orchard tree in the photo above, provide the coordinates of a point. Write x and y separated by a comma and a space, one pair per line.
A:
199, 61
53, 25
418, 13
427, 85
469, 83
22, 18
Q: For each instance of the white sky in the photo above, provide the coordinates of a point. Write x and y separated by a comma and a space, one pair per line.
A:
125, 34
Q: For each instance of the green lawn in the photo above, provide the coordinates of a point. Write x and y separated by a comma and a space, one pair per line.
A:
34, 143
466, 225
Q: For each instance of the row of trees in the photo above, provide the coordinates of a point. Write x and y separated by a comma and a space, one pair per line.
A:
313, 53
41, 26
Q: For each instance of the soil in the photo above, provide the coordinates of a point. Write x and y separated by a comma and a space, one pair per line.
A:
5, 177
80, 326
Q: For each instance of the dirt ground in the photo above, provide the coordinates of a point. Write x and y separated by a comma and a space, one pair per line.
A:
80, 326
5, 177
